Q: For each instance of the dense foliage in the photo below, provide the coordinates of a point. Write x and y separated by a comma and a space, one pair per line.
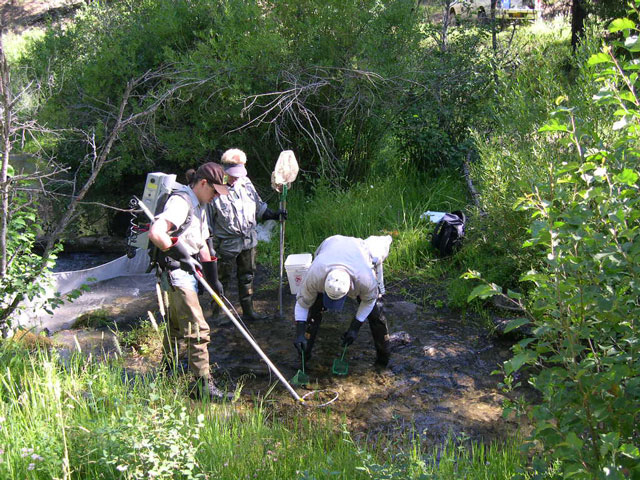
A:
322, 78
585, 219
379, 111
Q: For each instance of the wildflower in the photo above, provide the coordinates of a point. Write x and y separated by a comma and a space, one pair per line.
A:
31, 466
226, 464
26, 452
37, 457
122, 468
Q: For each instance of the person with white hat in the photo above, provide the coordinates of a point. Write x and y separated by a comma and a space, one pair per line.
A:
343, 267
232, 221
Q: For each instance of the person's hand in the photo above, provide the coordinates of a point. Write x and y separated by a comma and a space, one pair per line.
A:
300, 341
269, 214
352, 333
210, 272
178, 252
282, 214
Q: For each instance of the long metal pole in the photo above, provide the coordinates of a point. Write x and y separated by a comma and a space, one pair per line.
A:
246, 335
283, 206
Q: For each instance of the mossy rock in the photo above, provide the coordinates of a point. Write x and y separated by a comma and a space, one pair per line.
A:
31, 340
94, 319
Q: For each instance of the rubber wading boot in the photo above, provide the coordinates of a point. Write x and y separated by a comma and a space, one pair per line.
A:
248, 313
205, 388
382, 357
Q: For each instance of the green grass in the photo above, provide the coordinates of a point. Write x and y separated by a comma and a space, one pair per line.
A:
389, 206
77, 420
16, 45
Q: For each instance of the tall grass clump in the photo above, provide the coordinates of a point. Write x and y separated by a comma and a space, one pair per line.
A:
77, 419
380, 206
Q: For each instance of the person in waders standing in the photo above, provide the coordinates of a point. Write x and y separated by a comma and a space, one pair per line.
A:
232, 220
180, 232
344, 267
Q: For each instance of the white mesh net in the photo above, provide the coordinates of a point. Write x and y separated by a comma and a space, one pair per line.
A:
285, 171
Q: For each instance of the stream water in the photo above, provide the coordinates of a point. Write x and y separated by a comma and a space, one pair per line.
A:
439, 380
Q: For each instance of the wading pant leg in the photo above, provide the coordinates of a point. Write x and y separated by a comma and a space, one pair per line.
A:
225, 267
189, 330
313, 324
172, 333
246, 265
380, 333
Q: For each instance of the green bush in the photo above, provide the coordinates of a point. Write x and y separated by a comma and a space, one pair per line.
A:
584, 307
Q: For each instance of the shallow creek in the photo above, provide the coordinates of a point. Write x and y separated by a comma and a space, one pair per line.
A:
438, 382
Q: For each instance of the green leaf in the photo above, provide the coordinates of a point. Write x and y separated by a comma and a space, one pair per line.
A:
572, 469
482, 291
515, 323
517, 362
554, 126
574, 441
621, 24
630, 451
628, 177
599, 58
10, 171
604, 94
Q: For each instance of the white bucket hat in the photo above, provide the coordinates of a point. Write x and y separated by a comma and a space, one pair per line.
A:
336, 287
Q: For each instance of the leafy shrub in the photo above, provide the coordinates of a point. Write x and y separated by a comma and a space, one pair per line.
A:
449, 96
584, 307
163, 446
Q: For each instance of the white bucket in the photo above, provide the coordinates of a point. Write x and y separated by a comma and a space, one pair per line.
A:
296, 266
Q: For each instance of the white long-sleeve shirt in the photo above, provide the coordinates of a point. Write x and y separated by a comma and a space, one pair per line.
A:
350, 254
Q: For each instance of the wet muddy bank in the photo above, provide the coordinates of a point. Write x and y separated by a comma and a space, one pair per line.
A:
439, 381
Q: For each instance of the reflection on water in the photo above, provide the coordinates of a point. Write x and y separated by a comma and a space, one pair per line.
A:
69, 262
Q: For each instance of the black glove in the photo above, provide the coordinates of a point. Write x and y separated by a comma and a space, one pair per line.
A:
350, 335
210, 272
277, 215
301, 340
178, 252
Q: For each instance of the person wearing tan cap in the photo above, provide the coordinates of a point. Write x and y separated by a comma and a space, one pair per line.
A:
180, 231
344, 267
233, 219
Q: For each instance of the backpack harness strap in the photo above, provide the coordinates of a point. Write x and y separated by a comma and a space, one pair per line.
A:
164, 262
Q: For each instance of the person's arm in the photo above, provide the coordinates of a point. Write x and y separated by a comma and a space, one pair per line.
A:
300, 313
365, 308
366, 287
159, 234
205, 256
367, 303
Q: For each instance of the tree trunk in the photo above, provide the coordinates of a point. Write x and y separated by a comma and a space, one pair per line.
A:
578, 16
5, 138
